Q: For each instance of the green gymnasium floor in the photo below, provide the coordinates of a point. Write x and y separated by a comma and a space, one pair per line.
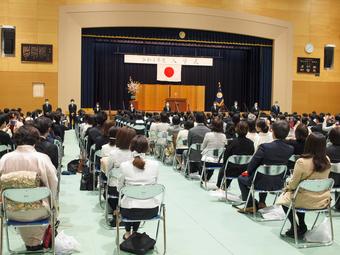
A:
197, 224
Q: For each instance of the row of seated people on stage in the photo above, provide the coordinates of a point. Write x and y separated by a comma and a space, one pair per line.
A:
270, 140
32, 145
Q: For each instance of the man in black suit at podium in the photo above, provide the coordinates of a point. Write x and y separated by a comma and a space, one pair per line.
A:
275, 108
72, 112
235, 108
167, 107
97, 108
215, 108
47, 107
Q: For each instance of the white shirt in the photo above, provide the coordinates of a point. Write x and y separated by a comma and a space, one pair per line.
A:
131, 175
182, 135
116, 158
264, 138
254, 137
107, 149
212, 140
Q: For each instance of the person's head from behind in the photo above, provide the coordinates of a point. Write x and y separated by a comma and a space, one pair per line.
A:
139, 145
112, 135
217, 125
200, 117
315, 147
236, 118
188, 124
164, 117
124, 137
261, 126
334, 136
106, 126
101, 117
280, 129
301, 133
176, 120
242, 129
3, 120
43, 124
26, 135
251, 126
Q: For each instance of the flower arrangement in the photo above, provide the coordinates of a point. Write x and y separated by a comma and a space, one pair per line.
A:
133, 87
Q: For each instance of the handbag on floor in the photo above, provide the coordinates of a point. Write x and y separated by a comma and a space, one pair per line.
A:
138, 244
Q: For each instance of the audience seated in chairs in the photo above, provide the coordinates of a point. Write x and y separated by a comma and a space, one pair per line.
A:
238, 146
108, 148
26, 158
313, 164
182, 141
95, 131
43, 124
274, 153
121, 154
138, 171
333, 152
252, 134
265, 136
104, 137
215, 139
196, 135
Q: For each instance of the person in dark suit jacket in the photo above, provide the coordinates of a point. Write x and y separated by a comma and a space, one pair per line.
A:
196, 135
47, 107
255, 109
239, 146
97, 108
43, 124
132, 108
167, 107
235, 108
96, 131
214, 109
333, 152
275, 153
72, 113
275, 110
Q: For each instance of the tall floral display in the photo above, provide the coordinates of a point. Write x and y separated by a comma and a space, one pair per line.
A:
133, 87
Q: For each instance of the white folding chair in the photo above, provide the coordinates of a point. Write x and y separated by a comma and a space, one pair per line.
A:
291, 161
213, 161
143, 192
27, 196
4, 149
315, 186
277, 171
179, 152
236, 160
193, 149
335, 171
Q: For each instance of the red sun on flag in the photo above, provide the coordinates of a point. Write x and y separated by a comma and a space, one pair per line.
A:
169, 71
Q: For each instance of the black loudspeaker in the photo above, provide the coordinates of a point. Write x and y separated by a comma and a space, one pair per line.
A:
8, 40
328, 56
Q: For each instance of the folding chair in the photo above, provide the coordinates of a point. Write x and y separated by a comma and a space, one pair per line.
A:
291, 162
143, 192
179, 152
168, 143
140, 129
213, 160
236, 160
152, 140
4, 148
193, 149
97, 154
160, 143
316, 186
335, 171
276, 171
27, 195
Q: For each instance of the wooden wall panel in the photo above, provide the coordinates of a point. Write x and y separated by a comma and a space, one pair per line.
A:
151, 97
316, 96
195, 95
17, 91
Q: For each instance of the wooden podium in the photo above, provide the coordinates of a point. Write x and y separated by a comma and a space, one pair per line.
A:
177, 104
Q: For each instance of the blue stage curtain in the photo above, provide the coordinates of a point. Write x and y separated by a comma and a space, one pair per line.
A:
245, 72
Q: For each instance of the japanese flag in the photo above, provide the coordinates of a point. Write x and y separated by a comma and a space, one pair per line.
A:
169, 72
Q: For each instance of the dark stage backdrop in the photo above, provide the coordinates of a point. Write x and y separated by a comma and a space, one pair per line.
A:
244, 70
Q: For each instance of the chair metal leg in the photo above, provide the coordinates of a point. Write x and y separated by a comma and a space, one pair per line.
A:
285, 220
316, 219
164, 229
295, 226
331, 221
1, 233
117, 230
254, 204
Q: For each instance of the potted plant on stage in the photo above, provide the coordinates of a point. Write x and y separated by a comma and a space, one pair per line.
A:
133, 87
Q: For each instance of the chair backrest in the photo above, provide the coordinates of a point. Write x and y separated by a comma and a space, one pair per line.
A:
195, 147
142, 192
294, 158
26, 195
318, 185
240, 159
272, 170
92, 149
335, 168
4, 148
216, 153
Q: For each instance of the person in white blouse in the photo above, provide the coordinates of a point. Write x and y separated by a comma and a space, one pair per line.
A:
26, 158
252, 134
108, 148
215, 139
265, 136
182, 140
138, 171
121, 154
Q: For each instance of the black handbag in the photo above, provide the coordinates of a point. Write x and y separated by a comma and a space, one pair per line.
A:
138, 244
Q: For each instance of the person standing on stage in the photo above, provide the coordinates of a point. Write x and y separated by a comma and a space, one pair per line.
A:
47, 107
72, 112
214, 108
167, 107
255, 109
235, 108
132, 108
97, 108
275, 110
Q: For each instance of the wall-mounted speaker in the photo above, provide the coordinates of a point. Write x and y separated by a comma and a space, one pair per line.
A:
8, 41
328, 56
